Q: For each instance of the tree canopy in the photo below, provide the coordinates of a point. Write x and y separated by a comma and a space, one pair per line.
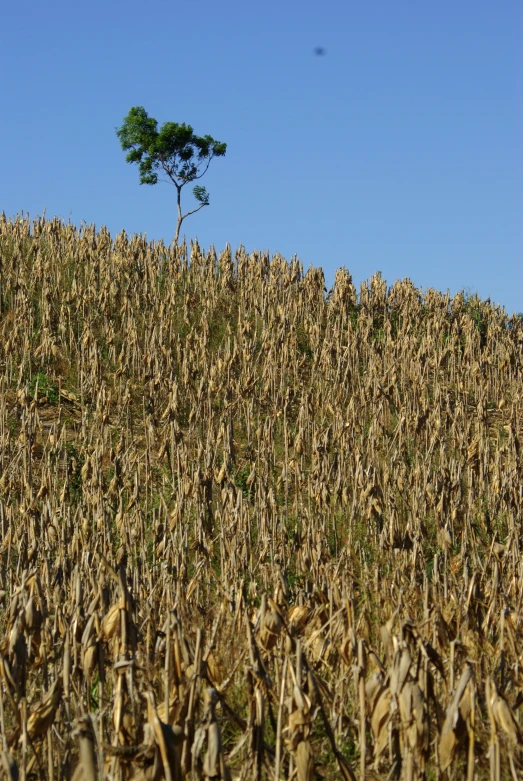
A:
174, 150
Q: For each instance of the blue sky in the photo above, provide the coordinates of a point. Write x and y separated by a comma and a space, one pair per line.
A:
399, 150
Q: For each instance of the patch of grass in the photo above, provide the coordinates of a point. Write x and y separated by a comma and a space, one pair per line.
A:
45, 387
303, 341
75, 462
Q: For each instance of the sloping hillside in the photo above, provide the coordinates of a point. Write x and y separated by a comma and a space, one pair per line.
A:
285, 522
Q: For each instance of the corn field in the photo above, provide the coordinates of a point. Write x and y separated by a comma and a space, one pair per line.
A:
250, 529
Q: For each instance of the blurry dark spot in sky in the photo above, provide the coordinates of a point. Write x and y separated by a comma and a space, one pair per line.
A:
319, 51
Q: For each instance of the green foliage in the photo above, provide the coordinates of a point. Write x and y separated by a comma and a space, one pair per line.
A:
45, 388
241, 482
303, 342
75, 462
201, 194
475, 309
174, 150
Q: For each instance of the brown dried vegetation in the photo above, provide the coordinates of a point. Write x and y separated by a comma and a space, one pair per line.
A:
248, 530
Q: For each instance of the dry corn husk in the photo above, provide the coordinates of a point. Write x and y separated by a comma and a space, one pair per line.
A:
42, 716
455, 725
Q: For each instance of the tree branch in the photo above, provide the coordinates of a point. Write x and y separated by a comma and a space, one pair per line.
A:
205, 169
194, 211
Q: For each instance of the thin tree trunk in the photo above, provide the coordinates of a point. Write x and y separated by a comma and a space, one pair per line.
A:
180, 218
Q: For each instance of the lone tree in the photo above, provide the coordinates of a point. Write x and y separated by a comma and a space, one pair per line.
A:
174, 149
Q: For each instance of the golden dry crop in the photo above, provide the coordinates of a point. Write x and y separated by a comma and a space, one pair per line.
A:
249, 529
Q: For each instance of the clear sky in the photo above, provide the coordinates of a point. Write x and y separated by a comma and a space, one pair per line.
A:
400, 149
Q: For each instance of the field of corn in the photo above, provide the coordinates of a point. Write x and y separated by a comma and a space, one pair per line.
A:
249, 528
